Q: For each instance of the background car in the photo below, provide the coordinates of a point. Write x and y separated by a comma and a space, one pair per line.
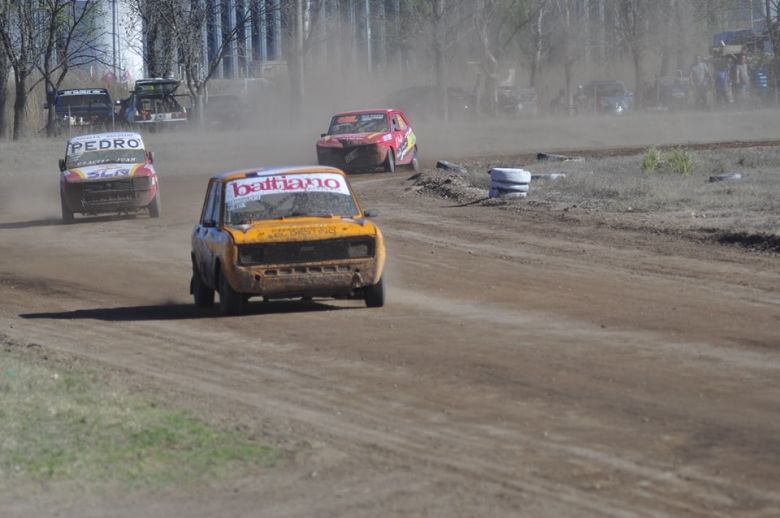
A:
289, 232
108, 173
82, 107
153, 104
606, 97
225, 112
423, 102
368, 139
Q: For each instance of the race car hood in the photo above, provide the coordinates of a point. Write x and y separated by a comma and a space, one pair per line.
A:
103, 171
301, 229
353, 139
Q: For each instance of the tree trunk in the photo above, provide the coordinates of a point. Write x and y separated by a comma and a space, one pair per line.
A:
639, 78
20, 102
50, 116
152, 64
4, 73
536, 62
438, 53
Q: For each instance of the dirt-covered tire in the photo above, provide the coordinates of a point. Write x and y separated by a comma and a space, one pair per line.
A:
375, 294
203, 295
415, 163
155, 206
67, 214
390, 161
231, 302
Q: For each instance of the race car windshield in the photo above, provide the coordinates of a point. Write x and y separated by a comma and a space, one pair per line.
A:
358, 123
83, 100
107, 156
288, 196
292, 205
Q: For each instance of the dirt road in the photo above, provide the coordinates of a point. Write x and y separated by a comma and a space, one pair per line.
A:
521, 367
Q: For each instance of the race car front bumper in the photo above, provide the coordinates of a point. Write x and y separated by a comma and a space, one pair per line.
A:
352, 158
328, 268
112, 195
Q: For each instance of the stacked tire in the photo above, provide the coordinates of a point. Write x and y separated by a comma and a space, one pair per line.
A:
509, 183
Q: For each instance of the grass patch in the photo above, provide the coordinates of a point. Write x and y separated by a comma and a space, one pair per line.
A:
681, 161
60, 424
652, 160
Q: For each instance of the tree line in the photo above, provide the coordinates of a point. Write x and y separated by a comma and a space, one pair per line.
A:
421, 41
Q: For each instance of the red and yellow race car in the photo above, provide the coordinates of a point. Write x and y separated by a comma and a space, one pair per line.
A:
369, 139
108, 172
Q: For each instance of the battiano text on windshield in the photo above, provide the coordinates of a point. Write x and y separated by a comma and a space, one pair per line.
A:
238, 192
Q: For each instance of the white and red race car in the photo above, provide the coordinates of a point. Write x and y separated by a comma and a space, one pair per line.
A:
108, 173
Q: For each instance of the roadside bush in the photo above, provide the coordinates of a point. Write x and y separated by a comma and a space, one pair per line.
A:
652, 159
679, 161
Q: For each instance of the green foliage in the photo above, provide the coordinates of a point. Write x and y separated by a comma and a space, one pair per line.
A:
61, 425
678, 160
651, 160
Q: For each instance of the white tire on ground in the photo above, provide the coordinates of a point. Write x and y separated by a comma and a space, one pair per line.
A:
505, 175
516, 187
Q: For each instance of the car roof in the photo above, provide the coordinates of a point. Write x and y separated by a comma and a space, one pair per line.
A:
85, 91
358, 112
260, 171
106, 135
157, 80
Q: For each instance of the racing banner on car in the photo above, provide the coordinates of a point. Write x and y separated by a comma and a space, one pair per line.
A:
100, 142
243, 190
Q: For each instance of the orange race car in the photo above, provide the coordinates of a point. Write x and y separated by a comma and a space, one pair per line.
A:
284, 233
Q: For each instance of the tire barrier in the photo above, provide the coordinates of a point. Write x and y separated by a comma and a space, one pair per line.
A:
509, 183
449, 166
558, 158
728, 177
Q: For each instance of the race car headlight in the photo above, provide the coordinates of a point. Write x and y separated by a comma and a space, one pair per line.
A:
250, 254
70, 176
360, 249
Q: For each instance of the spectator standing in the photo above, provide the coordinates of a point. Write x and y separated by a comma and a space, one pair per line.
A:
742, 78
701, 77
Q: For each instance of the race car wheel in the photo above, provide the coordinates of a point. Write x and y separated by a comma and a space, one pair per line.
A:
203, 295
67, 214
154, 207
375, 295
231, 302
390, 161
415, 163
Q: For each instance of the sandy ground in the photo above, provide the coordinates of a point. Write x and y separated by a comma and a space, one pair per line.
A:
522, 366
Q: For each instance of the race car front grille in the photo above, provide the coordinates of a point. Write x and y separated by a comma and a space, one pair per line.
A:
306, 251
114, 190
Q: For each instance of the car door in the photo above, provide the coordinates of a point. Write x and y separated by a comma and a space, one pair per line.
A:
214, 238
200, 242
401, 133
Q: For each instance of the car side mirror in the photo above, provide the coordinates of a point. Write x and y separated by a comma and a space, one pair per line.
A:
62, 164
150, 156
323, 135
370, 213
208, 224
45, 106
